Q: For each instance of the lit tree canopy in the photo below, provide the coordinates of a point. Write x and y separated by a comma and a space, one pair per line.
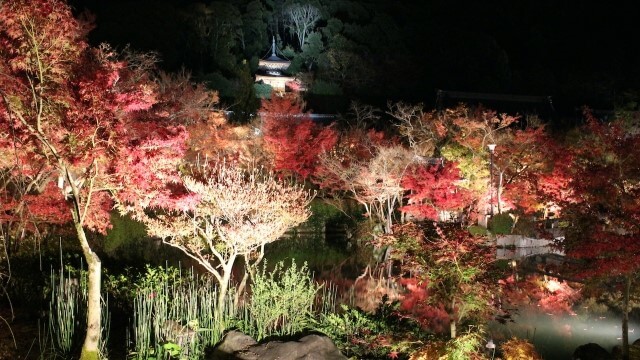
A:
233, 212
603, 205
301, 19
81, 130
291, 136
432, 189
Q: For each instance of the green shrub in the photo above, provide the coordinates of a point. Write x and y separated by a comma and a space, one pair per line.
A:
465, 346
476, 230
263, 91
352, 330
380, 335
501, 224
281, 301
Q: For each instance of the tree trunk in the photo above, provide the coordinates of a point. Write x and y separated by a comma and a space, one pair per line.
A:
499, 191
91, 346
625, 319
249, 273
452, 320
223, 288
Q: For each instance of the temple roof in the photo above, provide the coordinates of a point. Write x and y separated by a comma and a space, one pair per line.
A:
274, 62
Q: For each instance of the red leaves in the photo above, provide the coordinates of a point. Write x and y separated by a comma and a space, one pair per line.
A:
433, 188
106, 122
47, 24
550, 294
600, 192
293, 138
415, 303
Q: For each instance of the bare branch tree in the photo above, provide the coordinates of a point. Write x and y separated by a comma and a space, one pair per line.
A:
374, 183
362, 115
300, 20
423, 131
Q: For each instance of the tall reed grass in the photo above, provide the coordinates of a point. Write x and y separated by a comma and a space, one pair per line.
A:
174, 313
67, 313
175, 316
64, 310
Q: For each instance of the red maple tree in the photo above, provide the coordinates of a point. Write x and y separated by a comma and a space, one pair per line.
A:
293, 138
82, 129
602, 204
432, 189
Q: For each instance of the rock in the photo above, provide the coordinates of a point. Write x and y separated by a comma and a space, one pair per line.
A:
634, 350
591, 351
310, 347
233, 342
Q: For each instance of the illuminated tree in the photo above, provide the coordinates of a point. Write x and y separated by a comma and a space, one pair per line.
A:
295, 141
471, 132
454, 266
234, 213
81, 129
521, 157
425, 132
432, 189
457, 265
301, 19
603, 206
368, 169
379, 183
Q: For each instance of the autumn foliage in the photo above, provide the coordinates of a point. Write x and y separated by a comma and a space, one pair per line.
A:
292, 137
82, 129
432, 189
104, 119
602, 199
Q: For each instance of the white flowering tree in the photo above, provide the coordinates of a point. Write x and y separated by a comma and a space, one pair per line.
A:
234, 213
375, 183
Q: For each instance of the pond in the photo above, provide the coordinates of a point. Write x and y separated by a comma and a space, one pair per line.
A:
557, 336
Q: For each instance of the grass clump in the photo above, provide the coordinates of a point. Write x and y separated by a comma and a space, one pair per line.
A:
281, 301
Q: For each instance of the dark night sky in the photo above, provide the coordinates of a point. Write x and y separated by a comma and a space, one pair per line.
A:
576, 51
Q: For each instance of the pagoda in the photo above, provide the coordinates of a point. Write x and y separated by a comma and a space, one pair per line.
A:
271, 70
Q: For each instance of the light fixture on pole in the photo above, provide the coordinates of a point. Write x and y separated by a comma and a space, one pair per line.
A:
491, 346
491, 147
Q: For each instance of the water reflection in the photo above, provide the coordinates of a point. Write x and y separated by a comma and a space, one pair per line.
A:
557, 336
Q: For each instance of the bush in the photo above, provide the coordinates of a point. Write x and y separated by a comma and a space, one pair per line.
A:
383, 334
281, 302
518, 349
263, 91
476, 230
501, 224
466, 346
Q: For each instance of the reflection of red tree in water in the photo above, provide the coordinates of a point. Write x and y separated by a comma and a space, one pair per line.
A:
414, 303
548, 293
